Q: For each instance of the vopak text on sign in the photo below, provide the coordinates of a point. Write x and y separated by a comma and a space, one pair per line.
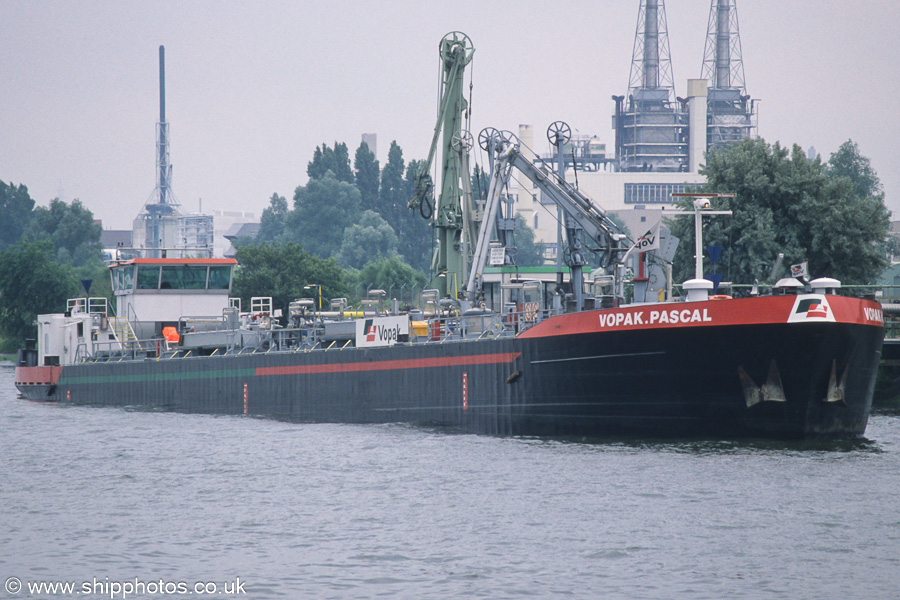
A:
381, 331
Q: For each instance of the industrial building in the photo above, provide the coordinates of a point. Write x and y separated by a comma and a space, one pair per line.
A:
661, 139
654, 127
161, 228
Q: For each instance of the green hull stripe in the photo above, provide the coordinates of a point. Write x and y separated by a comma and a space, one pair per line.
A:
142, 377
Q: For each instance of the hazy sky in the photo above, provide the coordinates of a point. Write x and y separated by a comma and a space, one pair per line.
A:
253, 87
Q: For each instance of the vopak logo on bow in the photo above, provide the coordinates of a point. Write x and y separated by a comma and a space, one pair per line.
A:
370, 331
811, 307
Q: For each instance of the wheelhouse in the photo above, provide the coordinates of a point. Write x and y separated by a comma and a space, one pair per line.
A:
154, 291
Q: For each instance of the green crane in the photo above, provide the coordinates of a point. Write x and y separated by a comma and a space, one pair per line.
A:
454, 215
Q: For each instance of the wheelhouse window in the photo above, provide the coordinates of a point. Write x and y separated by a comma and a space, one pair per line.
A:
148, 277
183, 277
192, 276
123, 278
220, 278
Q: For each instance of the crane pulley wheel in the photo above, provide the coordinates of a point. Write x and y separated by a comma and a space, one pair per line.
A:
488, 137
462, 140
559, 133
452, 43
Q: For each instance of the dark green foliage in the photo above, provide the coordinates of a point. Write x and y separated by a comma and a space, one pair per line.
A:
481, 181
528, 252
392, 199
391, 275
322, 210
787, 203
336, 160
271, 223
281, 270
369, 239
329, 216
848, 162
71, 228
415, 233
32, 282
15, 213
59, 246
367, 174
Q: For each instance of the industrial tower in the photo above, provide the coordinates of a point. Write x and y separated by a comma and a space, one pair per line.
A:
155, 227
731, 113
650, 124
162, 226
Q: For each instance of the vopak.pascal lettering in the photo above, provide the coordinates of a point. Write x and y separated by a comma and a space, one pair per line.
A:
655, 317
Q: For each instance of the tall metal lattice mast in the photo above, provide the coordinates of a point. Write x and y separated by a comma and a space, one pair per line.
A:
650, 124
731, 112
651, 63
163, 168
723, 64
156, 227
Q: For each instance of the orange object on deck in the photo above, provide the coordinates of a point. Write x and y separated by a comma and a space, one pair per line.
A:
171, 334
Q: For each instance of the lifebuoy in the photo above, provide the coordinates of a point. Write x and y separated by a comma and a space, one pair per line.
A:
720, 297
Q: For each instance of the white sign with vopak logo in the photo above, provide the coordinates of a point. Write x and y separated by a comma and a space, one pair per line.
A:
381, 331
811, 308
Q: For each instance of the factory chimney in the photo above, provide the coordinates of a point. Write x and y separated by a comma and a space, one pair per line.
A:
731, 111
650, 125
163, 168
156, 227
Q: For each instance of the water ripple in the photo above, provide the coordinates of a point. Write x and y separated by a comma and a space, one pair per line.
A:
347, 511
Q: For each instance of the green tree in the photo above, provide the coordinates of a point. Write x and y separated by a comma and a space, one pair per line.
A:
15, 213
281, 271
343, 172
32, 283
71, 228
322, 162
322, 210
415, 233
848, 162
392, 275
785, 203
367, 173
336, 160
271, 223
370, 239
528, 252
846, 235
481, 181
391, 194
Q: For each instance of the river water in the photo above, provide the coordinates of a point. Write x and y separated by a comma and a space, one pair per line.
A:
258, 508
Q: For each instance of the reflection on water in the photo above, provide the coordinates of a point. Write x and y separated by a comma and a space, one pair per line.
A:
346, 511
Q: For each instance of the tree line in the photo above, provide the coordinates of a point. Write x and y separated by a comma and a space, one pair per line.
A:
356, 214
831, 214
45, 255
349, 229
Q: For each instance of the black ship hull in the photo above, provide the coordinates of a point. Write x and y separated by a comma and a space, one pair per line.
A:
690, 380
